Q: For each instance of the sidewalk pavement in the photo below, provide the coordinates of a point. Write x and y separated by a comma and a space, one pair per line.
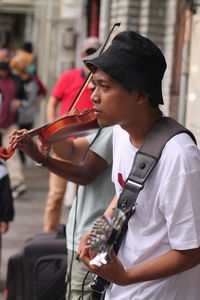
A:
28, 219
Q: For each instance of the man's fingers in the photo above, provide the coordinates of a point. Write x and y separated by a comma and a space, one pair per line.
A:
85, 256
16, 133
42, 145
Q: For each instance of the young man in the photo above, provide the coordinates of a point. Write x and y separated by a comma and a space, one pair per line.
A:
159, 257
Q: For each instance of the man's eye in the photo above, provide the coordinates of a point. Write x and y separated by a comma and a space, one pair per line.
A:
104, 86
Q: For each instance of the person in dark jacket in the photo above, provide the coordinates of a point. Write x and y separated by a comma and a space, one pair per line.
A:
6, 201
10, 101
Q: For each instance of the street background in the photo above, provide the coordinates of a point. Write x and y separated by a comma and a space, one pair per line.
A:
28, 220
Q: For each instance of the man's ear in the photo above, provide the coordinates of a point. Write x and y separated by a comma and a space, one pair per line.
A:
141, 97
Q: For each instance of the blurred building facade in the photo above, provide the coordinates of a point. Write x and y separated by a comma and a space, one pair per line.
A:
57, 27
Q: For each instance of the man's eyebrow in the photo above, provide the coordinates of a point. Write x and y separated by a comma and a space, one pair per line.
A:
100, 81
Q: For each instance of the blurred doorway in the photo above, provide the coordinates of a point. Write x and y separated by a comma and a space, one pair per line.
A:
12, 28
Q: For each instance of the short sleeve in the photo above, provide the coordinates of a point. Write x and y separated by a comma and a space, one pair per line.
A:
181, 207
60, 86
102, 144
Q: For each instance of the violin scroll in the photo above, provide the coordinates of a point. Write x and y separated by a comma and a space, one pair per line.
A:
6, 153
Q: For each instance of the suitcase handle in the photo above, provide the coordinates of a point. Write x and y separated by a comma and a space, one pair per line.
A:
61, 231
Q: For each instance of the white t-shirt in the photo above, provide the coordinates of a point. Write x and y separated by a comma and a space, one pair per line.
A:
167, 217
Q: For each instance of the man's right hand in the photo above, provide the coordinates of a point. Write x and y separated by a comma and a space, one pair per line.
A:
83, 242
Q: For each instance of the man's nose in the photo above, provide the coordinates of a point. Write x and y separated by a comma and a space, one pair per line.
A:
95, 97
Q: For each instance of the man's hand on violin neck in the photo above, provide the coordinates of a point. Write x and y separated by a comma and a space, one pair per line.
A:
17, 134
26, 144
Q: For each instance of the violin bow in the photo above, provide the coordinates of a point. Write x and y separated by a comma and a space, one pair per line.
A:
89, 76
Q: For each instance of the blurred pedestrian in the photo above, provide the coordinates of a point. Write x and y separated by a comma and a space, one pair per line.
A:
27, 47
6, 200
10, 93
63, 94
28, 104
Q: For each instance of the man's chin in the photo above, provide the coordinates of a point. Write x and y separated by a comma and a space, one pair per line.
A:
104, 123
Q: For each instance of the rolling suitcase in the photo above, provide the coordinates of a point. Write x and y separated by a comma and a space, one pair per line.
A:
37, 271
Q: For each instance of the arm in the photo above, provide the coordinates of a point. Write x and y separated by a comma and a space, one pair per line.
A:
71, 150
81, 173
112, 204
52, 106
168, 264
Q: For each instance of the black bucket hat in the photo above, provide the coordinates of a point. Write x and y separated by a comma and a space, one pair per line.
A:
135, 62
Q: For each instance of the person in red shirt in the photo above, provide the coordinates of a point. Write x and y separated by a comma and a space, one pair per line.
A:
66, 90
62, 96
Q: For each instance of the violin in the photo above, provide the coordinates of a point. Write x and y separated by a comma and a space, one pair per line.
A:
77, 124
72, 124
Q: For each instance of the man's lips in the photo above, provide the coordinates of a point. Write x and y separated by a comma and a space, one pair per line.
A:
96, 111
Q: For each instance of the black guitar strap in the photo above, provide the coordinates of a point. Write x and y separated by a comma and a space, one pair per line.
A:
144, 162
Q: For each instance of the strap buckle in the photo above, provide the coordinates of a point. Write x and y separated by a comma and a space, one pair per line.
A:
134, 185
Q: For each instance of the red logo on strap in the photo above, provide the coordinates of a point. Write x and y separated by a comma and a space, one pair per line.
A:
121, 180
